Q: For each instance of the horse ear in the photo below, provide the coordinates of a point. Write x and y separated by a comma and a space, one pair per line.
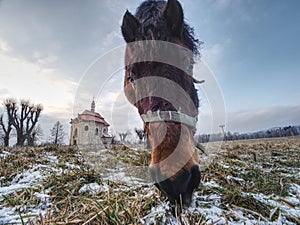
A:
129, 27
173, 14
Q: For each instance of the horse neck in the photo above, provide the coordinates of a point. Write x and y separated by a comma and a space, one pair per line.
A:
167, 137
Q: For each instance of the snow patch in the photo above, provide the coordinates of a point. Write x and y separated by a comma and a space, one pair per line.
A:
72, 166
26, 179
282, 205
9, 216
52, 158
3, 154
235, 179
211, 183
93, 188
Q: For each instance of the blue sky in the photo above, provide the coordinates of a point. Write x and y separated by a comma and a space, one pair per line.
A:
251, 46
259, 47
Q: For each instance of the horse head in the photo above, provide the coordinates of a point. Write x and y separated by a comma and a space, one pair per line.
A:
158, 81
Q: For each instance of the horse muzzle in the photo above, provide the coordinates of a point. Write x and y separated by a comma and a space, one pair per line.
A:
178, 188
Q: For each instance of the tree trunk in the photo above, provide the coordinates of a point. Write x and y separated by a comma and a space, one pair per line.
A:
20, 138
56, 136
6, 131
7, 136
6, 141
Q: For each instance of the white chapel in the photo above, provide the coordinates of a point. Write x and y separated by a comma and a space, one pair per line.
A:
89, 128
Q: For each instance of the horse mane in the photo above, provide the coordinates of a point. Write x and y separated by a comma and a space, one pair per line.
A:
154, 27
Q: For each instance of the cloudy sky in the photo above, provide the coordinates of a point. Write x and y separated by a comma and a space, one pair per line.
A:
52, 52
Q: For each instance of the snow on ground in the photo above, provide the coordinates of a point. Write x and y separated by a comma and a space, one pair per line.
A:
214, 214
93, 188
3, 154
240, 180
31, 180
12, 215
284, 204
25, 180
53, 159
122, 176
211, 183
8, 215
210, 206
159, 212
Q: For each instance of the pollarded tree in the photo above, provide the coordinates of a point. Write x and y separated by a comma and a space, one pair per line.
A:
5, 131
25, 121
9, 105
57, 134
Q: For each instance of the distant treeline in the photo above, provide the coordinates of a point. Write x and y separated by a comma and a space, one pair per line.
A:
270, 133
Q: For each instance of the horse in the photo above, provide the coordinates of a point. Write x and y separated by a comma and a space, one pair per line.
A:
164, 93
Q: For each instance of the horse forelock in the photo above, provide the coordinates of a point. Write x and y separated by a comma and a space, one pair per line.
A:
154, 27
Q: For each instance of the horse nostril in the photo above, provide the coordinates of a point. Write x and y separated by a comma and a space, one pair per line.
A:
179, 188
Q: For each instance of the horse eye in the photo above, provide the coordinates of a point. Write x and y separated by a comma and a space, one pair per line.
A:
130, 78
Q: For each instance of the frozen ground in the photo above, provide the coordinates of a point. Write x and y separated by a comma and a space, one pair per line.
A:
250, 182
26, 182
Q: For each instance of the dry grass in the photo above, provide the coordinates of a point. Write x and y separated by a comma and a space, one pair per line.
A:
265, 167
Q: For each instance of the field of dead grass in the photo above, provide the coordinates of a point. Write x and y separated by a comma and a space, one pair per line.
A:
245, 182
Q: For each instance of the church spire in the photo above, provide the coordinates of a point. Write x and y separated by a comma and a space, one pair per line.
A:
93, 105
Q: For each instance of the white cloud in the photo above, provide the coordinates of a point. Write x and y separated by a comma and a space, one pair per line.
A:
239, 9
4, 47
117, 6
223, 4
111, 39
116, 109
251, 120
25, 79
215, 53
263, 118
4, 92
43, 59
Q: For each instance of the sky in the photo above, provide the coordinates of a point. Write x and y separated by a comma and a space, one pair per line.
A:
54, 53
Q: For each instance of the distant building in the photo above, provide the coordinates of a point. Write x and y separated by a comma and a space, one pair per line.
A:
89, 128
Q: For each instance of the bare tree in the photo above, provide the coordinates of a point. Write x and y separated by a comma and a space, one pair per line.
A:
25, 121
8, 103
57, 134
5, 134
140, 133
35, 134
123, 136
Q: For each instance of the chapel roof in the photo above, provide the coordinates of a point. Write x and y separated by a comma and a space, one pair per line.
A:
88, 115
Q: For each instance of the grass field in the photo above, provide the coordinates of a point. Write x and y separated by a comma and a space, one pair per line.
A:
243, 182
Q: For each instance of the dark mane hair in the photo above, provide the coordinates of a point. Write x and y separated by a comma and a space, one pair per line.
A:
155, 27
